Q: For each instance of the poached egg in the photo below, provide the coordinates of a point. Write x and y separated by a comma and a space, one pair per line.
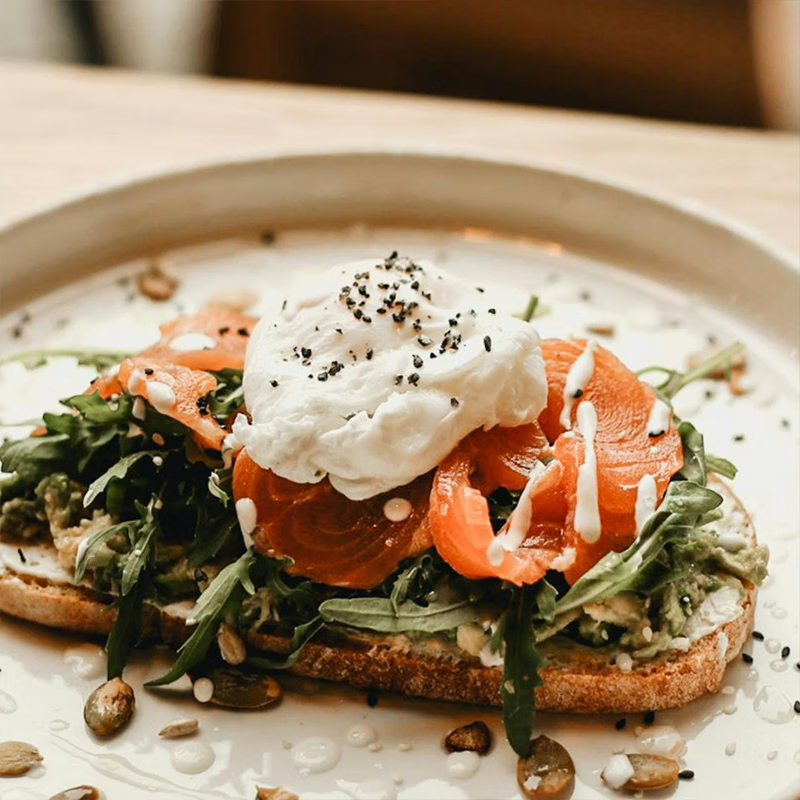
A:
372, 376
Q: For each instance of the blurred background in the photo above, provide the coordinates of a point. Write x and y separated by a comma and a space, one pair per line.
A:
731, 62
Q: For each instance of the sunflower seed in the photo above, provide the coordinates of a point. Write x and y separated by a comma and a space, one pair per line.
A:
650, 772
235, 688
16, 758
547, 770
109, 707
156, 282
475, 737
231, 646
78, 793
178, 728
269, 793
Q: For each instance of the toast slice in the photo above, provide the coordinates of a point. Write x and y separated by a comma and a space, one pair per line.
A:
577, 678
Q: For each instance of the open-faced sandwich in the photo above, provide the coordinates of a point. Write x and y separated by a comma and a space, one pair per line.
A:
394, 485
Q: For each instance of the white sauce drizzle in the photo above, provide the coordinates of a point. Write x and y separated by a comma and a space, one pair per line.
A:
771, 705
660, 417
88, 661
662, 740
316, 754
248, 518
139, 411
618, 771
192, 341
516, 528
361, 735
161, 396
463, 765
646, 499
587, 509
397, 509
577, 378
192, 757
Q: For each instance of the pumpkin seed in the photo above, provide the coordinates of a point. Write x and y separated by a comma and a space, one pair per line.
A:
546, 771
651, 771
231, 646
78, 793
178, 728
16, 758
475, 737
109, 707
235, 688
269, 793
156, 282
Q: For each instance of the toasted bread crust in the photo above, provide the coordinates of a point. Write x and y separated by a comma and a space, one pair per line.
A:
576, 679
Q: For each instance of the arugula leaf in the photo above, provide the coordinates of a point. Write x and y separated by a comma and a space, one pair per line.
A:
142, 548
94, 408
686, 506
414, 581
94, 542
126, 631
546, 596
302, 634
118, 470
694, 455
721, 466
220, 600
379, 614
520, 670
36, 456
676, 380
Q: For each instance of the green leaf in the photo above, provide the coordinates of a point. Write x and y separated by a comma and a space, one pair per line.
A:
694, 457
685, 507
215, 486
546, 596
94, 542
35, 456
721, 466
141, 551
95, 409
118, 470
530, 310
302, 634
379, 614
414, 581
127, 630
522, 662
221, 599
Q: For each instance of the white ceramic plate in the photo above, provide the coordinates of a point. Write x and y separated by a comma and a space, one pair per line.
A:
667, 276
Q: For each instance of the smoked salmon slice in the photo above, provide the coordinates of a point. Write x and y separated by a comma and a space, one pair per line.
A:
190, 347
625, 449
330, 538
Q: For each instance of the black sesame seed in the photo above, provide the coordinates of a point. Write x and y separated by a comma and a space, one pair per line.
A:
649, 717
398, 379
797, 666
686, 774
747, 658
758, 636
366, 319
739, 437
425, 341
413, 378
492, 310
203, 411
16, 332
796, 706
372, 697
380, 310
415, 285
418, 362
268, 238
21, 555
480, 289
785, 652
223, 330
243, 332
339, 330
578, 393
273, 384
785, 423
453, 322
363, 291
487, 343
454, 402
399, 317
620, 723
369, 354
358, 313
323, 376
305, 352
426, 295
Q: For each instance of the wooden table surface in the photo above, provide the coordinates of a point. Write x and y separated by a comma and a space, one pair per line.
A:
65, 129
